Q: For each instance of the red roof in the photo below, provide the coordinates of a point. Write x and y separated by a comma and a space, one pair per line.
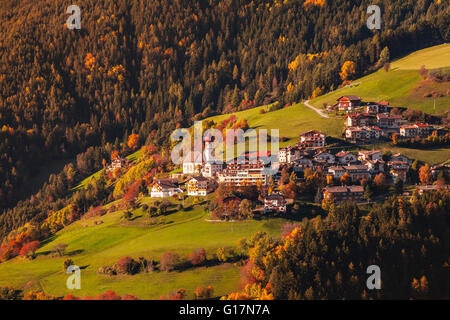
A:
423, 125
351, 98
388, 116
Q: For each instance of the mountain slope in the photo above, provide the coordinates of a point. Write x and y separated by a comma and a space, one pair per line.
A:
402, 86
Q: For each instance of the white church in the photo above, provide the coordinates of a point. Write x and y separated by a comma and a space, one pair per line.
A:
193, 162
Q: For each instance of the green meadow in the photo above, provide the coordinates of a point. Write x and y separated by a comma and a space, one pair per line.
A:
400, 86
291, 121
92, 245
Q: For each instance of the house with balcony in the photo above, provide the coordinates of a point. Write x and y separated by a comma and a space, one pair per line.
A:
312, 138
198, 186
377, 107
164, 188
386, 120
359, 120
348, 103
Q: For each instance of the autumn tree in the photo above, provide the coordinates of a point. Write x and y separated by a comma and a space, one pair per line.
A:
348, 70
169, 261
29, 249
346, 179
198, 257
425, 174
203, 292
133, 141
246, 209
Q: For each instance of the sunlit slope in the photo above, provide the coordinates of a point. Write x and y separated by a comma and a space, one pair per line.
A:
92, 245
402, 86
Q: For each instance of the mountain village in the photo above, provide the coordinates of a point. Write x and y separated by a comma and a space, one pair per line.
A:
366, 123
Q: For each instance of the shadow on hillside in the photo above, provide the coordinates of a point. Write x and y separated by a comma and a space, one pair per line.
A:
49, 239
74, 252
208, 263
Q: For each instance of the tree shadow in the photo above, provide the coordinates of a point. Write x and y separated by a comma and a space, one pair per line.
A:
74, 252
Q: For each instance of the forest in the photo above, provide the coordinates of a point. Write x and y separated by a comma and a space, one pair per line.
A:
142, 68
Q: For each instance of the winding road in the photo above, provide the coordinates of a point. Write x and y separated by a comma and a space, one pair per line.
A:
319, 112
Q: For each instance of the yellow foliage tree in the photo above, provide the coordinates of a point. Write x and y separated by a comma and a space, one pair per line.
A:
348, 69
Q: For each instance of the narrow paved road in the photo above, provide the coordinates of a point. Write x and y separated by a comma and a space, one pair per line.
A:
319, 112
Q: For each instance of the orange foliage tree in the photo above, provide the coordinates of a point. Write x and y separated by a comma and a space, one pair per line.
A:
348, 70
133, 141
425, 174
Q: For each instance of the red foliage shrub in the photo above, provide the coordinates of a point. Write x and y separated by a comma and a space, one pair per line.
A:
108, 295
127, 265
169, 261
129, 297
29, 249
198, 257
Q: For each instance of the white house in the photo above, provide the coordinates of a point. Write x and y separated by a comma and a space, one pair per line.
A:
274, 203
325, 156
164, 188
345, 157
369, 155
198, 186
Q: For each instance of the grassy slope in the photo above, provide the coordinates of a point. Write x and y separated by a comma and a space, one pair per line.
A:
397, 85
93, 246
290, 121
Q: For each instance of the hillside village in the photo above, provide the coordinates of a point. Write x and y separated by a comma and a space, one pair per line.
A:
347, 172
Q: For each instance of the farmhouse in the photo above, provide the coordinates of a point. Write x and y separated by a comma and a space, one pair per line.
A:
348, 103
117, 163
312, 138
324, 156
274, 203
164, 188
344, 193
337, 171
363, 133
345, 157
375, 166
369, 155
358, 119
377, 107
